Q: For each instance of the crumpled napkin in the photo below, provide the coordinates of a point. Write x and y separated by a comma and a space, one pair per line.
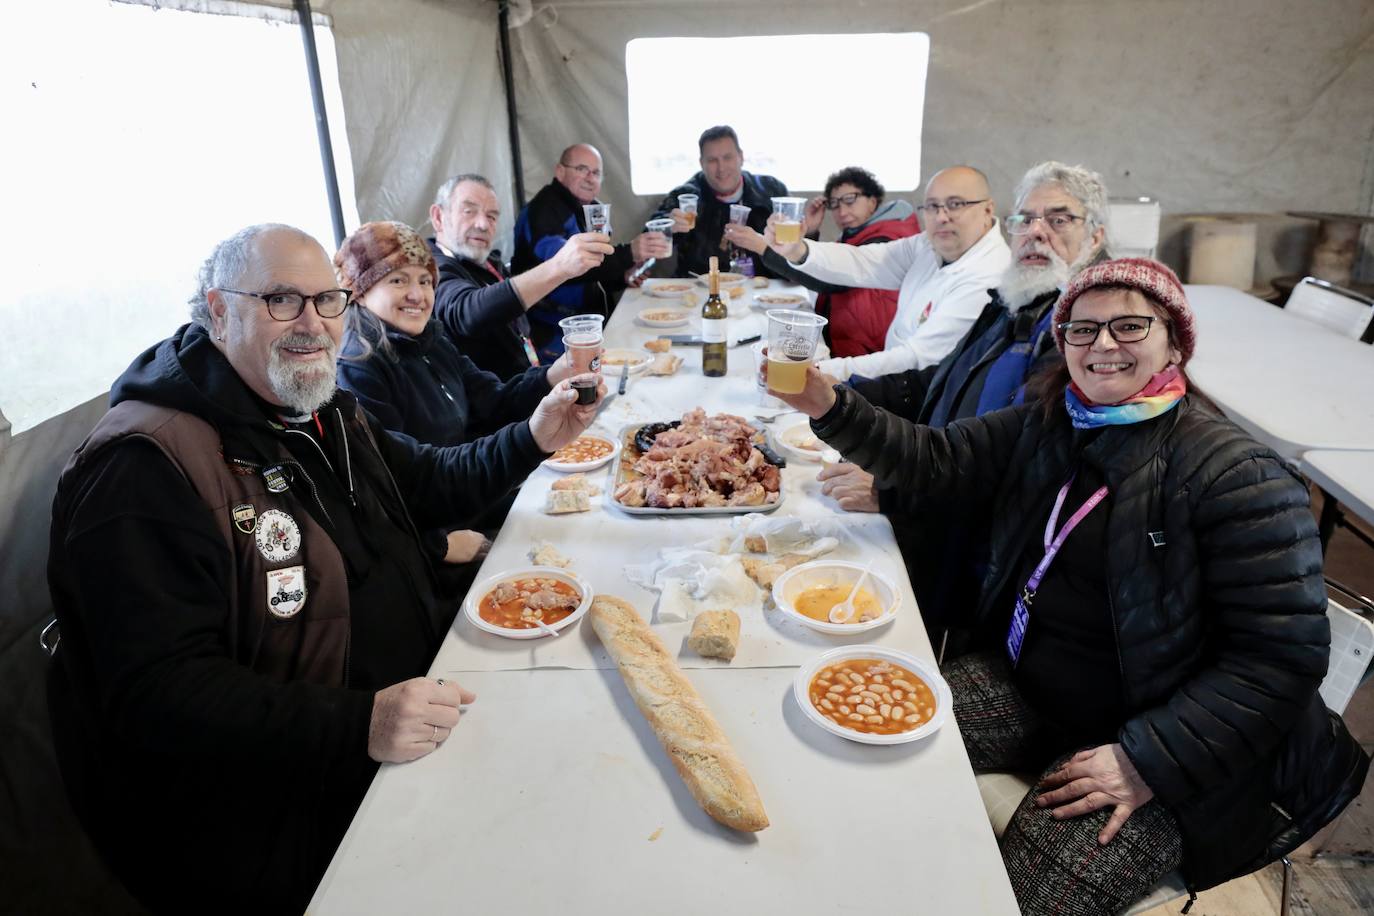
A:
691, 579
807, 537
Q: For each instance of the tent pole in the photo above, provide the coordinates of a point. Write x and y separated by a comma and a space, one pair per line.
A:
312, 66
508, 75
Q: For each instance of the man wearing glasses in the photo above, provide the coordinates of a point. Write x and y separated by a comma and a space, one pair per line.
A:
1059, 228
244, 602
942, 275
552, 217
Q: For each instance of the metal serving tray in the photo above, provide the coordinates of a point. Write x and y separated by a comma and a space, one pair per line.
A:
620, 469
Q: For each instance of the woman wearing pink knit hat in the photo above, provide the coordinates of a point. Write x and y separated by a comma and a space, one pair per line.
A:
1152, 629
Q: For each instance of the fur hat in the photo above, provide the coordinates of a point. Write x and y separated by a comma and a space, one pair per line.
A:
375, 250
1157, 282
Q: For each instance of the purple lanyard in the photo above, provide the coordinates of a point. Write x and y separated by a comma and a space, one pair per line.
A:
1055, 541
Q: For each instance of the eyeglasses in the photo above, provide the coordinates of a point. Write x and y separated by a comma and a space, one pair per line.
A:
288, 306
833, 203
583, 170
1020, 223
951, 206
1125, 329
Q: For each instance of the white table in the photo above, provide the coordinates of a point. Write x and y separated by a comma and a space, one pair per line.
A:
1346, 478
1290, 383
553, 795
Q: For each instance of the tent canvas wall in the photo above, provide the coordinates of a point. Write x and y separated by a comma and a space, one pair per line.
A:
1233, 105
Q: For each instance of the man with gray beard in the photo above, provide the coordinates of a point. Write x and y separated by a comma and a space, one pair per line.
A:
246, 608
1058, 228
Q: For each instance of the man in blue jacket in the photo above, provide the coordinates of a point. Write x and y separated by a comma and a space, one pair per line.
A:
544, 227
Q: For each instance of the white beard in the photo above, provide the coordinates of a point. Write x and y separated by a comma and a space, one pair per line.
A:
303, 388
464, 250
1023, 284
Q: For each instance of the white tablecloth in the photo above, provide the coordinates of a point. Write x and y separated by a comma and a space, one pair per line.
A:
1291, 383
1347, 476
553, 795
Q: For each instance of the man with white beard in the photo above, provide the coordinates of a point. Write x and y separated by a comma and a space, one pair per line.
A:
1058, 228
246, 608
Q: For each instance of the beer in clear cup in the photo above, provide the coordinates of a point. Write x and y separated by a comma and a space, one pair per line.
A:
687, 203
792, 338
787, 229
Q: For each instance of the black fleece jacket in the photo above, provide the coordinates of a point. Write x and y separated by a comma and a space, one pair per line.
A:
209, 786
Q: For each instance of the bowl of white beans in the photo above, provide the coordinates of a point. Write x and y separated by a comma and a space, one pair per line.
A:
873, 695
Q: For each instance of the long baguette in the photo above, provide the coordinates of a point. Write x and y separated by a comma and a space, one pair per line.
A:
689, 733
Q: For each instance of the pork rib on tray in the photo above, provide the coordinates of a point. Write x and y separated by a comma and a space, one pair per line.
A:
702, 462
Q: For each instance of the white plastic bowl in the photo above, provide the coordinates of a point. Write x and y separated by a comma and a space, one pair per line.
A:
571, 467
944, 700
483, 588
835, 572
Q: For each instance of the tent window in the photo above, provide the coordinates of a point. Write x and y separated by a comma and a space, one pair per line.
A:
803, 125
136, 139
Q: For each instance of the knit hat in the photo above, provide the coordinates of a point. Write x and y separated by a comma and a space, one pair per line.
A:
1157, 282
375, 250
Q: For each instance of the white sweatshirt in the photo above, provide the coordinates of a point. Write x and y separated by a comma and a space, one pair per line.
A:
936, 304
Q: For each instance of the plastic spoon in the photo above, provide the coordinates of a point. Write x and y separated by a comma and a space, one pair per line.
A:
845, 610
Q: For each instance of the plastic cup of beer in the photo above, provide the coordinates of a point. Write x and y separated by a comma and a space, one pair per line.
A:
792, 338
788, 227
598, 217
739, 214
665, 228
687, 203
582, 340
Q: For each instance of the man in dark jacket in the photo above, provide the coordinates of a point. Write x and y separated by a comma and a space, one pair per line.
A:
244, 603
721, 182
1058, 228
549, 220
480, 305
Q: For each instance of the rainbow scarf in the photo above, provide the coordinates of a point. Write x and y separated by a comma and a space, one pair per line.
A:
1163, 392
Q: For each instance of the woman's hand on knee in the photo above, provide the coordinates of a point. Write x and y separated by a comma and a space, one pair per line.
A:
1100, 777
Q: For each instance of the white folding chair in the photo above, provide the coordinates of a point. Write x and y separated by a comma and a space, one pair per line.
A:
1346, 312
1352, 648
1133, 227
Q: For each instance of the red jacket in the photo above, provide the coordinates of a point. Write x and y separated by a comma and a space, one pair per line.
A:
859, 317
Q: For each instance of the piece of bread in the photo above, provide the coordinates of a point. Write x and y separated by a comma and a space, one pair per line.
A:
715, 634
546, 555
562, 502
658, 345
756, 543
664, 364
577, 481
765, 572
689, 733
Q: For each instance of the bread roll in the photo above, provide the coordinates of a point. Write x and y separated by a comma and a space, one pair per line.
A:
686, 728
561, 502
658, 345
715, 634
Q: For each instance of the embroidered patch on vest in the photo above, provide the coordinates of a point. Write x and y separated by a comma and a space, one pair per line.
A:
245, 518
286, 591
275, 478
278, 536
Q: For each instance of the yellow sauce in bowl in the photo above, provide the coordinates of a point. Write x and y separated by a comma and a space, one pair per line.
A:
816, 602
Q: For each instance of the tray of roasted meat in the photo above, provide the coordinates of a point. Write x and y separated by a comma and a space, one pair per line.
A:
699, 465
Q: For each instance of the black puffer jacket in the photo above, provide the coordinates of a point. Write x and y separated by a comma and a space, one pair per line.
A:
1221, 630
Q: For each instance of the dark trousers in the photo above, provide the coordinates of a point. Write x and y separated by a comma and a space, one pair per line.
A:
1056, 867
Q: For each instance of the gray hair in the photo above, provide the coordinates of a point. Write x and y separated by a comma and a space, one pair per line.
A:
1082, 184
441, 196
226, 264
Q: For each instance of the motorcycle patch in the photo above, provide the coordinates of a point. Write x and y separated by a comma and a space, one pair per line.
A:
275, 479
278, 536
286, 591
245, 518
